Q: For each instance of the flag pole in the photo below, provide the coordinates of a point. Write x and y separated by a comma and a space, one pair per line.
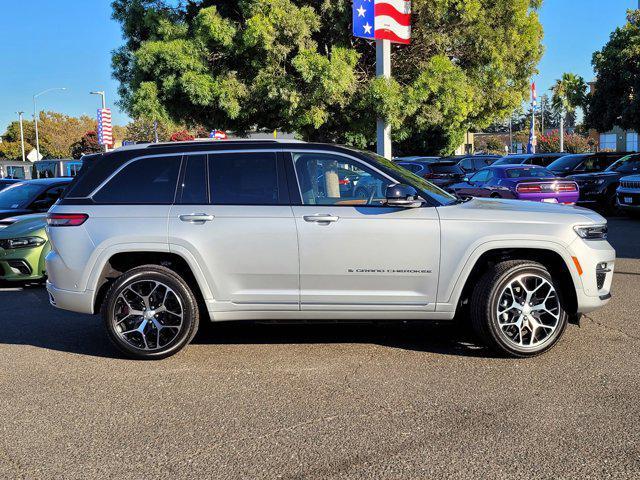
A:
383, 70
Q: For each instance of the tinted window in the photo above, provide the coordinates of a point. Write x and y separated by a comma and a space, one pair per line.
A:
48, 198
630, 164
146, 181
529, 173
467, 164
412, 167
510, 160
15, 172
566, 163
195, 189
244, 178
484, 162
446, 169
18, 195
481, 176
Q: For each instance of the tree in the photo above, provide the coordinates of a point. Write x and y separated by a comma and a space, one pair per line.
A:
142, 130
615, 100
569, 93
13, 150
86, 145
294, 65
181, 136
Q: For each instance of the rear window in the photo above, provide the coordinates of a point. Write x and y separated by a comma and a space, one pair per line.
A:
528, 173
566, 163
244, 178
446, 169
150, 181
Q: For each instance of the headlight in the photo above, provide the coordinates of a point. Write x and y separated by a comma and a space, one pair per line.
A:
22, 242
592, 232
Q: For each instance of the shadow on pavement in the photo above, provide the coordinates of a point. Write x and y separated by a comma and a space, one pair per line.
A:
624, 235
28, 319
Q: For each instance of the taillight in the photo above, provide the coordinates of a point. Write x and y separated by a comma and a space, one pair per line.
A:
566, 187
66, 219
529, 188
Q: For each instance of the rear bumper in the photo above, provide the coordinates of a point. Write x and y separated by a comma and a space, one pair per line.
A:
563, 198
81, 302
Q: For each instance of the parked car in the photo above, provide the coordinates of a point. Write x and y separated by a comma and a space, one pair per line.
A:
153, 235
31, 196
417, 159
473, 163
629, 195
15, 169
23, 247
347, 181
519, 182
539, 159
598, 189
7, 182
442, 173
584, 163
56, 168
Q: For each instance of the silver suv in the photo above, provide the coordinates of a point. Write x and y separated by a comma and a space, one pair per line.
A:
160, 237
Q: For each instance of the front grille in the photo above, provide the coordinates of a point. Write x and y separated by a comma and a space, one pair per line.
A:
600, 279
628, 184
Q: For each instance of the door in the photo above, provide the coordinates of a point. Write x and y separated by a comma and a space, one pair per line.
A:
232, 215
355, 253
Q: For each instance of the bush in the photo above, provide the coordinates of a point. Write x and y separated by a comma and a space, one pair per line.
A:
573, 143
182, 136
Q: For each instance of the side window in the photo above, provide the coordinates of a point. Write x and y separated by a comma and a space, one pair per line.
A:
589, 165
323, 179
244, 178
46, 199
412, 167
481, 176
467, 164
603, 163
150, 181
15, 172
195, 187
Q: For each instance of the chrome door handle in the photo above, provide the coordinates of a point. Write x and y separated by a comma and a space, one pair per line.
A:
196, 218
320, 218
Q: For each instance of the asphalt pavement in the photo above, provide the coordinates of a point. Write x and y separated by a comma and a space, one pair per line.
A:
322, 401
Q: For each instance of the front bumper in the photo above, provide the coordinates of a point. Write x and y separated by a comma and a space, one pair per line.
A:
597, 261
22, 264
628, 199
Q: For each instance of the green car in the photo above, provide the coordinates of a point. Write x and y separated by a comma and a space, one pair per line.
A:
23, 246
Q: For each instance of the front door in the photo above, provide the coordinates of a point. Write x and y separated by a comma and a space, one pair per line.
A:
232, 215
355, 253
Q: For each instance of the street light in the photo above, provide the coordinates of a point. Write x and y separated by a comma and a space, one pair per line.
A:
35, 115
104, 98
22, 135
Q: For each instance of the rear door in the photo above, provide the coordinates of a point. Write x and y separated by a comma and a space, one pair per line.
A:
355, 253
232, 216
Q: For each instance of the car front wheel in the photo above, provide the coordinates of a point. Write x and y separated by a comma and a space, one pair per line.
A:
517, 310
150, 313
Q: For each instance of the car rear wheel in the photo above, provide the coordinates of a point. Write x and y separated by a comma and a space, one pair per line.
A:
150, 313
517, 310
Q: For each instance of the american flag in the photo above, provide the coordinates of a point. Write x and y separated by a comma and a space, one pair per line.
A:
105, 129
218, 135
382, 20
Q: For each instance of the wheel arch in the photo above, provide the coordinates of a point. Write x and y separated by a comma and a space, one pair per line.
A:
123, 261
551, 258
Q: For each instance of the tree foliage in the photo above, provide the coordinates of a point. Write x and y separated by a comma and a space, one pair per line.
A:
294, 65
86, 145
569, 94
573, 143
615, 100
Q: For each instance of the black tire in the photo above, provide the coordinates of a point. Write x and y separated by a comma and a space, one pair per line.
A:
611, 207
484, 305
496, 195
180, 295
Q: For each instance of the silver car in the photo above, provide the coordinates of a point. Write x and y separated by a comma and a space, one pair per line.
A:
158, 238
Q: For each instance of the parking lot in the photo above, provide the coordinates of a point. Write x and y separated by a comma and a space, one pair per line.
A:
322, 401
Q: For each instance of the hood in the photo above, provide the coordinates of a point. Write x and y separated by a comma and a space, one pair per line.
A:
631, 178
515, 211
594, 176
25, 225
13, 212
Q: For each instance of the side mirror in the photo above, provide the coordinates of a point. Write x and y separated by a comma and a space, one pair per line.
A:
403, 196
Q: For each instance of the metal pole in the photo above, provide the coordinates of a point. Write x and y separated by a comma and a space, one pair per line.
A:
542, 116
383, 69
533, 129
155, 130
35, 121
561, 131
511, 133
24, 158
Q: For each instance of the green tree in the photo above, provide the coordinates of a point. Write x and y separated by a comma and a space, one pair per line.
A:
10, 150
294, 65
615, 100
142, 130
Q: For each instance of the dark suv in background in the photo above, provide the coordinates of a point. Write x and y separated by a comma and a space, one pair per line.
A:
539, 159
473, 163
442, 173
598, 189
585, 163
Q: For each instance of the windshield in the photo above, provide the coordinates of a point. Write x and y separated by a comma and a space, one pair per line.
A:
414, 180
529, 173
509, 160
446, 169
18, 195
566, 163
628, 164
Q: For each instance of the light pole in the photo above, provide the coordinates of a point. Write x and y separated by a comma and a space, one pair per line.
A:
22, 136
36, 114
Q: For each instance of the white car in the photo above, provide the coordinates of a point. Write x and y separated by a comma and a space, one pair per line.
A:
629, 195
159, 237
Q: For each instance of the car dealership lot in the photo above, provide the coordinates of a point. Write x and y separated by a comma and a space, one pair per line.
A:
322, 401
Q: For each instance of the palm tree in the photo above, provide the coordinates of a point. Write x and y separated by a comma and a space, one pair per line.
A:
569, 93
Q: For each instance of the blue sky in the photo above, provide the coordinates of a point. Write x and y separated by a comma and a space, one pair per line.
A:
44, 43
